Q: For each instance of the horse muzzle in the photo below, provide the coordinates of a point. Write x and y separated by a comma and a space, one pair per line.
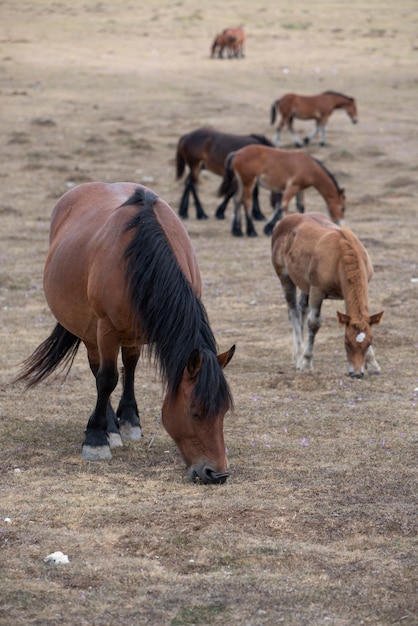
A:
358, 375
207, 475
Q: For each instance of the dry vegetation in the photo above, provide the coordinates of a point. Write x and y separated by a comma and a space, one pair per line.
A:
318, 522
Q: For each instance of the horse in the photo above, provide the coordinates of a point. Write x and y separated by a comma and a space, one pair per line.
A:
121, 274
293, 106
285, 172
231, 39
208, 148
224, 42
323, 260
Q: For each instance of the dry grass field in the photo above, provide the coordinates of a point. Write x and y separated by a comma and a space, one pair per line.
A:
317, 524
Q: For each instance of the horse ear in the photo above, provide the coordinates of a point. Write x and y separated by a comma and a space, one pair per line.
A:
375, 319
225, 357
194, 363
343, 318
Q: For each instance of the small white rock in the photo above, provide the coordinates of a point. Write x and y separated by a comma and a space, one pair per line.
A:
57, 558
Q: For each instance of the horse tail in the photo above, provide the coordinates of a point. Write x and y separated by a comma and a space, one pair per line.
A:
60, 348
228, 184
273, 111
180, 162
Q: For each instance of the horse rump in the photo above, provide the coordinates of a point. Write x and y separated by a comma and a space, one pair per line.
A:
228, 185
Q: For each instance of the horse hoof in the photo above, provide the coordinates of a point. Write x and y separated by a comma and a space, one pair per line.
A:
268, 229
130, 432
220, 216
236, 233
203, 216
306, 141
115, 440
252, 234
99, 453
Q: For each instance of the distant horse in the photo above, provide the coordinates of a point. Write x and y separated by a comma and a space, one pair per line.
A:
287, 171
231, 39
208, 148
325, 261
292, 106
224, 42
121, 273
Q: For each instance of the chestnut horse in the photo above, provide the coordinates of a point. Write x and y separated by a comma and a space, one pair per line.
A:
325, 261
208, 148
293, 106
231, 39
121, 273
287, 171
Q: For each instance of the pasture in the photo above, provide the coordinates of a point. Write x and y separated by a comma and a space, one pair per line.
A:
317, 523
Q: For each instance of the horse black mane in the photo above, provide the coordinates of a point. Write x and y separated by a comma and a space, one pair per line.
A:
338, 93
171, 317
262, 140
332, 177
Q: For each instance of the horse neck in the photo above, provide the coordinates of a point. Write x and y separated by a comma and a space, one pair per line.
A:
325, 185
353, 281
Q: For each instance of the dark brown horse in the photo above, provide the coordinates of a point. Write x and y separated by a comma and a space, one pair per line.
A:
292, 106
206, 148
120, 274
325, 261
287, 171
232, 40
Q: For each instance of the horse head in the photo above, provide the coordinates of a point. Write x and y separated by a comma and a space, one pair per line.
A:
358, 341
351, 110
336, 207
196, 429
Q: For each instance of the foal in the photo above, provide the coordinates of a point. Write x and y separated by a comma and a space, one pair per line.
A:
293, 106
287, 171
325, 261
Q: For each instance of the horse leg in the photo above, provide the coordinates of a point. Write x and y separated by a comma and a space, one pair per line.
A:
372, 365
246, 197
303, 306
127, 413
314, 324
113, 434
299, 202
236, 220
322, 142
313, 134
200, 214
184, 202
96, 443
257, 213
289, 289
298, 141
276, 138
277, 213
220, 211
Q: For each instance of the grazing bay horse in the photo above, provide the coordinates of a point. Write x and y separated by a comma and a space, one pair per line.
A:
207, 148
231, 39
323, 260
292, 106
121, 274
285, 172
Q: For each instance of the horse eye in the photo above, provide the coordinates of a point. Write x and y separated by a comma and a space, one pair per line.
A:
196, 416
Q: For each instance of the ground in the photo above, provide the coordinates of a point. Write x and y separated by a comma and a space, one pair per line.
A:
318, 521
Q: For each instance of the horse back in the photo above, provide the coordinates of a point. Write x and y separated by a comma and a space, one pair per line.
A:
305, 247
85, 269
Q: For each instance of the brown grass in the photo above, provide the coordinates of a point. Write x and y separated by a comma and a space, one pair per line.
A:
318, 522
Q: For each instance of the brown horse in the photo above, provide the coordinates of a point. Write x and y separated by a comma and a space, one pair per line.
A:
208, 148
121, 273
232, 40
325, 261
292, 106
287, 171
